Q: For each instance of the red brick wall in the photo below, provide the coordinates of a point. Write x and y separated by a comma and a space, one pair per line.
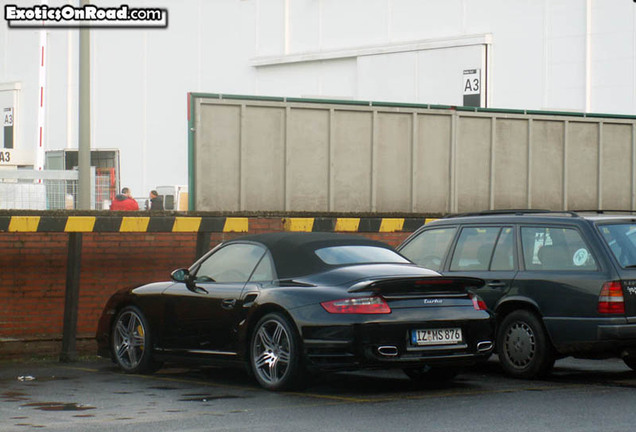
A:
33, 281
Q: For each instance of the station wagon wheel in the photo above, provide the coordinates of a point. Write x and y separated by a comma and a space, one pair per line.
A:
524, 348
275, 353
130, 342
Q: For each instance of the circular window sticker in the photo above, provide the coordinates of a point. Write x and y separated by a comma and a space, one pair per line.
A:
580, 257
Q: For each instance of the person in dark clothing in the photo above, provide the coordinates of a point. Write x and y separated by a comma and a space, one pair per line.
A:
124, 201
156, 202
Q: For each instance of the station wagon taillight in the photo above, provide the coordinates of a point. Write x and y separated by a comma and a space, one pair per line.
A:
611, 300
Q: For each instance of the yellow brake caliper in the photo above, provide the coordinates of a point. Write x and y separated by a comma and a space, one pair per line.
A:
140, 331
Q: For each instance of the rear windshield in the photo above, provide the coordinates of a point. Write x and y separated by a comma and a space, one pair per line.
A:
621, 238
342, 255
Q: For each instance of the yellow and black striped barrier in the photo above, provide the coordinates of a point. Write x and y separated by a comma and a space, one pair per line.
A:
364, 224
187, 224
89, 224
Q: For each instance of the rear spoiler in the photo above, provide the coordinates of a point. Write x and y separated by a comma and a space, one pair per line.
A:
414, 285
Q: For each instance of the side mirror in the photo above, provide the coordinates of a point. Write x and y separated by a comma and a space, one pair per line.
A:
184, 276
180, 275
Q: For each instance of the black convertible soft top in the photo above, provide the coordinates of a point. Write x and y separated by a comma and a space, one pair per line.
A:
294, 252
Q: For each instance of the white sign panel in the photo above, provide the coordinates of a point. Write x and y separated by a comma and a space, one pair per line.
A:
11, 157
472, 81
8, 117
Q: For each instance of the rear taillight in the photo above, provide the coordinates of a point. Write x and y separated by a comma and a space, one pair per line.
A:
362, 305
478, 303
611, 300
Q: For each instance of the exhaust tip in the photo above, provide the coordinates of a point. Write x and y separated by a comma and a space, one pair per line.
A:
484, 346
388, 350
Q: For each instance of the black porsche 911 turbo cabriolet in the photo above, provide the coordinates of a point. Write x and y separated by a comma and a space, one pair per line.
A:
287, 304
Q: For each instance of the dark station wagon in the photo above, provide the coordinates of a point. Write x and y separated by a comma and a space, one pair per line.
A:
559, 283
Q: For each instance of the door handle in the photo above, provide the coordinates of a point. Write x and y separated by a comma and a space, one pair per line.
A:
496, 284
228, 303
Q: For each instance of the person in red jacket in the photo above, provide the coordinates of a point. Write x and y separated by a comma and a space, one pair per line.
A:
124, 201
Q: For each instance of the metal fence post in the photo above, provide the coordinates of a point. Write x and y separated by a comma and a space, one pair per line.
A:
71, 300
203, 244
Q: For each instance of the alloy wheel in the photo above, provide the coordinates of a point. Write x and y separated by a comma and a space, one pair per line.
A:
271, 352
520, 344
129, 339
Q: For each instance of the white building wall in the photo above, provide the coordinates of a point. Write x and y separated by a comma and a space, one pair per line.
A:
575, 55
612, 56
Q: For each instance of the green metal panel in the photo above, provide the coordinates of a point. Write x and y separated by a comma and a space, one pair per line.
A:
254, 98
407, 105
329, 101
191, 173
401, 105
555, 113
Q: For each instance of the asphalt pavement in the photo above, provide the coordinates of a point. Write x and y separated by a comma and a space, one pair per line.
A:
92, 395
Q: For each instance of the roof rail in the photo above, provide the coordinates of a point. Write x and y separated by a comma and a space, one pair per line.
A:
517, 212
603, 211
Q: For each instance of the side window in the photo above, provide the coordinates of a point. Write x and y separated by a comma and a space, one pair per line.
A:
232, 263
621, 239
264, 270
555, 248
429, 247
503, 258
474, 249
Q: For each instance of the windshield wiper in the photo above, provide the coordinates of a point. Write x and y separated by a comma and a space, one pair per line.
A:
630, 266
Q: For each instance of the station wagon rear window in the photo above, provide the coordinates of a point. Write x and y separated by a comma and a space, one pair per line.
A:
621, 238
344, 255
555, 248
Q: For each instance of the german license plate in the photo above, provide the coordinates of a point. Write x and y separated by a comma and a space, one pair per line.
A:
444, 336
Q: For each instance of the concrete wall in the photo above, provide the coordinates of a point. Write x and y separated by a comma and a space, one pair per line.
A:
266, 155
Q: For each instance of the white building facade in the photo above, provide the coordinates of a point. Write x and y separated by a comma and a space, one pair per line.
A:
555, 55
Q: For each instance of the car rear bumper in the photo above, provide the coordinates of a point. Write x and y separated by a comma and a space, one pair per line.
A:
579, 336
388, 345
617, 332
325, 355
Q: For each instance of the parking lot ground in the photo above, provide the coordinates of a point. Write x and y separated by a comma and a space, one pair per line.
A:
92, 395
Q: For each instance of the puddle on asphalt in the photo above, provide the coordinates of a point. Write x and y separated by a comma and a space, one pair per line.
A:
58, 406
199, 397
